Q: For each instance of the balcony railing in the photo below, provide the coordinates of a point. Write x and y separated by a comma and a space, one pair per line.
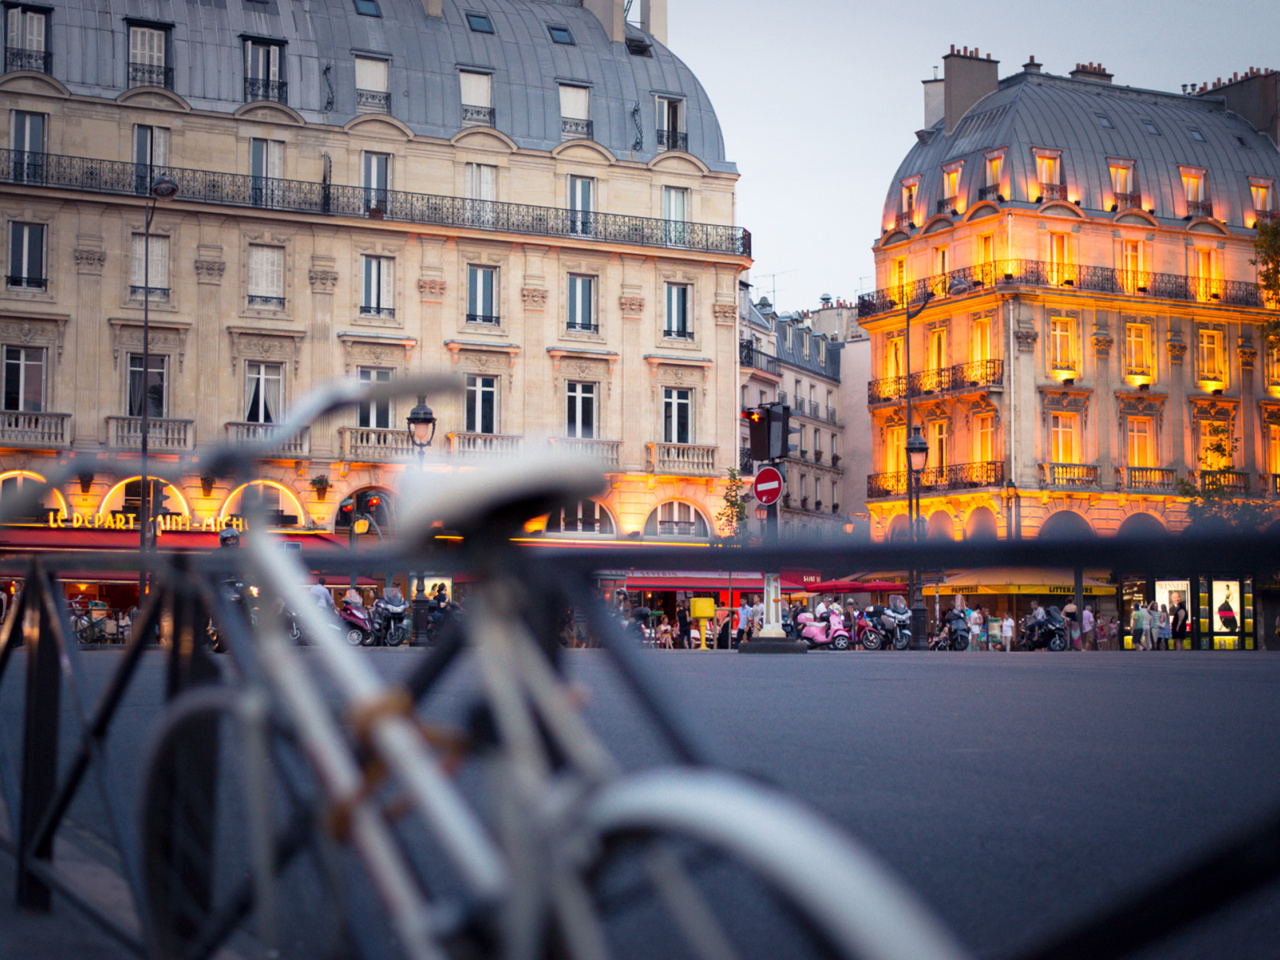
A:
1052, 191
163, 433
484, 446
297, 196
266, 303
903, 220
1125, 201
991, 192
831, 415
150, 293
782, 396
1224, 481
488, 319
373, 101
573, 127
956, 476
963, 376
27, 283
17, 58
372, 445
473, 116
297, 445
1150, 479
571, 327
746, 466
686, 459
947, 204
46, 430
256, 88
1037, 273
751, 356
150, 75
1199, 208
607, 453
815, 410
673, 140
1069, 475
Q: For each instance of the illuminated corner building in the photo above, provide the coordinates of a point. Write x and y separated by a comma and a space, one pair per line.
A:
1095, 323
531, 195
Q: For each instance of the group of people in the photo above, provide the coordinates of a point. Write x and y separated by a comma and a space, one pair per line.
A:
1156, 627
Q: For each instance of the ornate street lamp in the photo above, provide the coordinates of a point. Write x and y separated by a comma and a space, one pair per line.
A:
917, 457
163, 187
422, 430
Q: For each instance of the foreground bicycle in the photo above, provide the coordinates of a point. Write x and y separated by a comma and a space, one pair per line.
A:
314, 808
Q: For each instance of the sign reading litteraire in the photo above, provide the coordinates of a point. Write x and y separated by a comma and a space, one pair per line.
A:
768, 485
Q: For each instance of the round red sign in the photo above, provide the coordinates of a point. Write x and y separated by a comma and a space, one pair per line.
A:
768, 485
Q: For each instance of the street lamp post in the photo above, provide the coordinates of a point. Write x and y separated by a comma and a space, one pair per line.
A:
422, 430
163, 187
917, 457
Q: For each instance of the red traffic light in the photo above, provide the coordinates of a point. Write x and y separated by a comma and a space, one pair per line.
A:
372, 502
347, 505
755, 415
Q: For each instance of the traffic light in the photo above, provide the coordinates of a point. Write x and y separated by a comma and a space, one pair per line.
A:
758, 431
780, 432
371, 502
347, 507
159, 499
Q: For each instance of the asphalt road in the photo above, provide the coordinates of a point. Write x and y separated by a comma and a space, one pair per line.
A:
1015, 793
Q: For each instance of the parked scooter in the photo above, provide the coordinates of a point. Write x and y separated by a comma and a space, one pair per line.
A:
892, 623
955, 632
1051, 633
355, 622
829, 632
866, 634
388, 621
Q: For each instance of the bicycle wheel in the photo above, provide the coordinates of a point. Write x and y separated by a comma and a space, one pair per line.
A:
210, 877
701, 864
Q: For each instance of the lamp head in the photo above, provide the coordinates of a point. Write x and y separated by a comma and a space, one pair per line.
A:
164, 187
917, 450
422, 423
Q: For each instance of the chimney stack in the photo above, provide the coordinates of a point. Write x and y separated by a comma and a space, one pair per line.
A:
1091, 71
653, 19
1256, 98
1031, 66
967, 78
612, 15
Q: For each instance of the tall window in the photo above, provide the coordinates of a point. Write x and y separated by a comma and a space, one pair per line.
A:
994, 171
1210, 357
266, 276
677, 415
482, 285
580, 416
477, 105
266, 167
28, 146
980, 340
1062, 438
1060, 270
1215, 445
1273, 450
1139, 350
677, 320
1262, 196
26, 41
938, 444
149, 276
675, 211
984, 436
893, 362
24, 379
1048, 170
482, 185
153, 388
482, 404
1121, 180
375, 414
937, 348
675, 519
574, 116
1131, 275
373, 93
264, 72
582, 295
1193, 186
895, 448
377, 298
670, 115
26, 256
950, 186
147, 58
150, 151
909, 197
263, 391
940, 266
376, 173
581, 205
1205, 274
585, 516
1141, 442
1062, 345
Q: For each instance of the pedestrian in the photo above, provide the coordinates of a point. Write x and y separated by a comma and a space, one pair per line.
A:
977, 629
1153, 619
1113, 634
1164, 629
682, 623
744, 623
1137, 626
1087, 638
323, 598
1006, 632
1071, 618
1178, 627
757, 616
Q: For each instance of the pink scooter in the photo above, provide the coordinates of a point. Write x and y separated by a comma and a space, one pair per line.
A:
817, 633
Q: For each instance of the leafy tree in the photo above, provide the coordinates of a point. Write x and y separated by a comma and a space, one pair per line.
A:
1267, 248
732, 518
1213, 501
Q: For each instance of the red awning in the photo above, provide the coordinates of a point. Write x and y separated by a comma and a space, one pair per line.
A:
33, 538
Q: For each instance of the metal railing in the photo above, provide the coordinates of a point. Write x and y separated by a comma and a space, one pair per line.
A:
374, 445
47, 430
266, 303
746, 465
1152, 479
573, 127
1224, 481
749, 355
831, 414
150, 75
488, 319
373, 101
1199, 208
298, 445
947, 204
673, 140
681, 334
150, 293
28, 283
483, 446
574, 327
19, 58
1072, 475
1038, 273
955, 476
963, 376
1124, 201
686, 459
163, 433
474, 116
1052, 191
903, 220
607, 453
368, 310
256, 88
991, 192
299, 196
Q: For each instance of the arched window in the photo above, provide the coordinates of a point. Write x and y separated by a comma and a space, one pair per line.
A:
676, 519
280, 507
585, 516
38, 511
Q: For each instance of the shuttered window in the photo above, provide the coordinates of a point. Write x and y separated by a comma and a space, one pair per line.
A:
475, 89
26, 30
158, 281
266, 276
371, 75
574, 102
379, 292
146, 46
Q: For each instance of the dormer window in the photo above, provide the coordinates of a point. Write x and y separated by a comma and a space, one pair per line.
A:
26, 43
148, 56
993, 171
1195, 188
906, 210
264, 72
1049, 176
477, 103
1104, 121
368, 8
1151, 128
574, 112
373, 94
1197, 135
671, 131
638, 48
1263, 198
950, 188
1123, 189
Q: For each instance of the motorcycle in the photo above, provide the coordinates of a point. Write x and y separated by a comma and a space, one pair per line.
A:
1051, 633
891, 622
865, 633
830, 632
388, 622
234, 591
955, 632
355, 622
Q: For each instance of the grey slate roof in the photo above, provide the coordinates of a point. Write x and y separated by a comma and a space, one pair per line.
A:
89, 40
1041, 110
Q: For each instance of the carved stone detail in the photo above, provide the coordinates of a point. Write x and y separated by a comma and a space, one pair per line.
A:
725, 312
90, 261
631, 306
1177, 351
34, 333
269, 346
431, 288
1026, 340
210, 271
322, 281
534, 298
1248, 356
127, 337
1102, 344
380, 353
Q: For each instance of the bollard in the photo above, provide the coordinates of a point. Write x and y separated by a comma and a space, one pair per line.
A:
702, 609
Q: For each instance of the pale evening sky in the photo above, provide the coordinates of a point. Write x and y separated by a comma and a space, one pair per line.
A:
819, 100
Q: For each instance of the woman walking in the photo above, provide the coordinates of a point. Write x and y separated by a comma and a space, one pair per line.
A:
1164, 629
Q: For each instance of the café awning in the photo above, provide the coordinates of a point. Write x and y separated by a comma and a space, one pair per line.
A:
1021, 580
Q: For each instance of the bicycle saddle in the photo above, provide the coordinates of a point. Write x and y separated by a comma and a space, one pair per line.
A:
494, 501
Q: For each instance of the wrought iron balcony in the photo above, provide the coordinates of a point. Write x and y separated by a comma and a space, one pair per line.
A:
373, 101
991, 192
44, 430
373, 445
256, 88
573, 127
486, 319
947, 204
368, 310
150, 293
1199, 208
999, 274
296, 446
607, 453
571, 327
27, 283
1150, 479
473, 116
1125, 201
782, 396
163, 433
961, 377
749, 355
681, 334
685, 459
1224, 481
18, 58
956, 476
1073, 476
1052, 191
150, 75
266, 303
746, 466
327, 199
484, 446
673, 140
831, 414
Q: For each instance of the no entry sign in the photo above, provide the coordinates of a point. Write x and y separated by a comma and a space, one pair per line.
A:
768, 485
